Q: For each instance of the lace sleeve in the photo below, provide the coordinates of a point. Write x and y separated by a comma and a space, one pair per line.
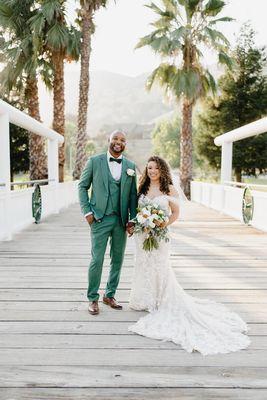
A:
174, 200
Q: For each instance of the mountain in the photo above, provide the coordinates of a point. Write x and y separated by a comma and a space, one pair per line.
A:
114, 99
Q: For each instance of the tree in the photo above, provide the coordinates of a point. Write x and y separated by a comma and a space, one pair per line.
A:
243, 99
165, 137
70, 137
19, 140
183, 27
20, 73
86, 14
57, 41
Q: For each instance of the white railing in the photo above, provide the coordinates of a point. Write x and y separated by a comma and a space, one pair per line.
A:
241, 184
229, 200
226, 141
227, 197
16, 206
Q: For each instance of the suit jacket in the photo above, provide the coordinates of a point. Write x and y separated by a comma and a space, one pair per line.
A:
95, 177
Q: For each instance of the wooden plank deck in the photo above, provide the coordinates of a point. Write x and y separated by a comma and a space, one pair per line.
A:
51, 348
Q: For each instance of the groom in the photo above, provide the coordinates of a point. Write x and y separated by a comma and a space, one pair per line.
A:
111, 179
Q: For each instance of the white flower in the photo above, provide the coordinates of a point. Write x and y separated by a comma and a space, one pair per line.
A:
151, 223
140, 219
146, 213
130, 172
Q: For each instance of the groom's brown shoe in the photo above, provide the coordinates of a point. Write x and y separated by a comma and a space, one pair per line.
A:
93, 307
110, 301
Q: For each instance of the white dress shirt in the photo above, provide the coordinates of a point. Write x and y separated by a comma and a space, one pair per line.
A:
115, 170
114, 167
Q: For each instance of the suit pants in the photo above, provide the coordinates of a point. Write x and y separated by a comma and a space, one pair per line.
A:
109, 228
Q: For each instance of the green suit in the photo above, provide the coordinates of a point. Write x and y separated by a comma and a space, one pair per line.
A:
113, 203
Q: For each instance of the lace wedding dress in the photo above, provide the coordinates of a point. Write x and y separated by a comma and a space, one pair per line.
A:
196, 324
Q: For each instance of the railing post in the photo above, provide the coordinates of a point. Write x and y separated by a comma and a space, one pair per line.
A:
226, 162
5, 174
53, 170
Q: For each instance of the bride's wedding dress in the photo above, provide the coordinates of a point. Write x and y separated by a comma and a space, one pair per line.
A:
196, 324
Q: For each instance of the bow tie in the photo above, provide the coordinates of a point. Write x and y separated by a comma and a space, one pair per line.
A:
117, 160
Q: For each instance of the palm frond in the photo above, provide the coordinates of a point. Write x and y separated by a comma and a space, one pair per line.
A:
163, 13
178, 33
162, 23
30, 65
146, 40
155, 8
161, 45
6, 14
37, 23
13, 54
211, 83
57, 37
213, 7
74, 44
171, 6
191, 6
46, 73
216, 35
161, 75
223, 19
52, 9
225, 59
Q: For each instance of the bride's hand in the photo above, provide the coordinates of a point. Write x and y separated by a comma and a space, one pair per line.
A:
164, 224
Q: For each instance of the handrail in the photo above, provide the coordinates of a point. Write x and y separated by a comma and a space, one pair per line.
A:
254, 128
23, 120
28, 182
16, 190
244, 184
31, 182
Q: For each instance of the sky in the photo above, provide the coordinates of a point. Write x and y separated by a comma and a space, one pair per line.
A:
120, 25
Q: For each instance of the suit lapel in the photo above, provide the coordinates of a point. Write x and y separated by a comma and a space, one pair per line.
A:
124, 175
104, 170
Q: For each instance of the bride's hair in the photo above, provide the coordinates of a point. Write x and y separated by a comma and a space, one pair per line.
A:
165, 177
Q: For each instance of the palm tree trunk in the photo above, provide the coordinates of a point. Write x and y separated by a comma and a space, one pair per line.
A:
83, 91
59, 106
38, 158
186, 148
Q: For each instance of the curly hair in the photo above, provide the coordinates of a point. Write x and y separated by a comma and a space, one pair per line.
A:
165, 179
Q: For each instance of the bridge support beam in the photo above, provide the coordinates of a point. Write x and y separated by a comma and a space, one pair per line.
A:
226, 162
53, 170
5, 177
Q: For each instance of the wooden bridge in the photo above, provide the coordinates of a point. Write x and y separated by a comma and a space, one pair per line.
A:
51, 348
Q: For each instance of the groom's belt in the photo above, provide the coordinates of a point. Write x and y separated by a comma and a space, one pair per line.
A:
106, 215
113, 213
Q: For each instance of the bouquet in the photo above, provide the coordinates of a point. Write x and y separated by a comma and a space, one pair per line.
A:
150, 220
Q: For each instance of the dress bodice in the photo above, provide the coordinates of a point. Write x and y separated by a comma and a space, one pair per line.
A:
162, 201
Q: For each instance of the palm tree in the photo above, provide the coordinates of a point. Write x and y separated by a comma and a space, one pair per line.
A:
20, 71
86, 14
182, 29
57, 41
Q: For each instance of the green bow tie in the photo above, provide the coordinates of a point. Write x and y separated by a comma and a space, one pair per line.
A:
117, 160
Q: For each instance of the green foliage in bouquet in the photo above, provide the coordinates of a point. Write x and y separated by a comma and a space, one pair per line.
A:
150, 243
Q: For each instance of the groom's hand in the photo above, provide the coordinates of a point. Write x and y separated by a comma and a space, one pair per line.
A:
90, 218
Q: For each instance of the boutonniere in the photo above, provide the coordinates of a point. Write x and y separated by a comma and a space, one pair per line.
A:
130, 172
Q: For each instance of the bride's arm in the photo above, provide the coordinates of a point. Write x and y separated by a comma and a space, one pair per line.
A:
174, 205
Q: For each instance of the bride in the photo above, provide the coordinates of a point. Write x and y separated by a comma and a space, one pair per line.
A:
196, 324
